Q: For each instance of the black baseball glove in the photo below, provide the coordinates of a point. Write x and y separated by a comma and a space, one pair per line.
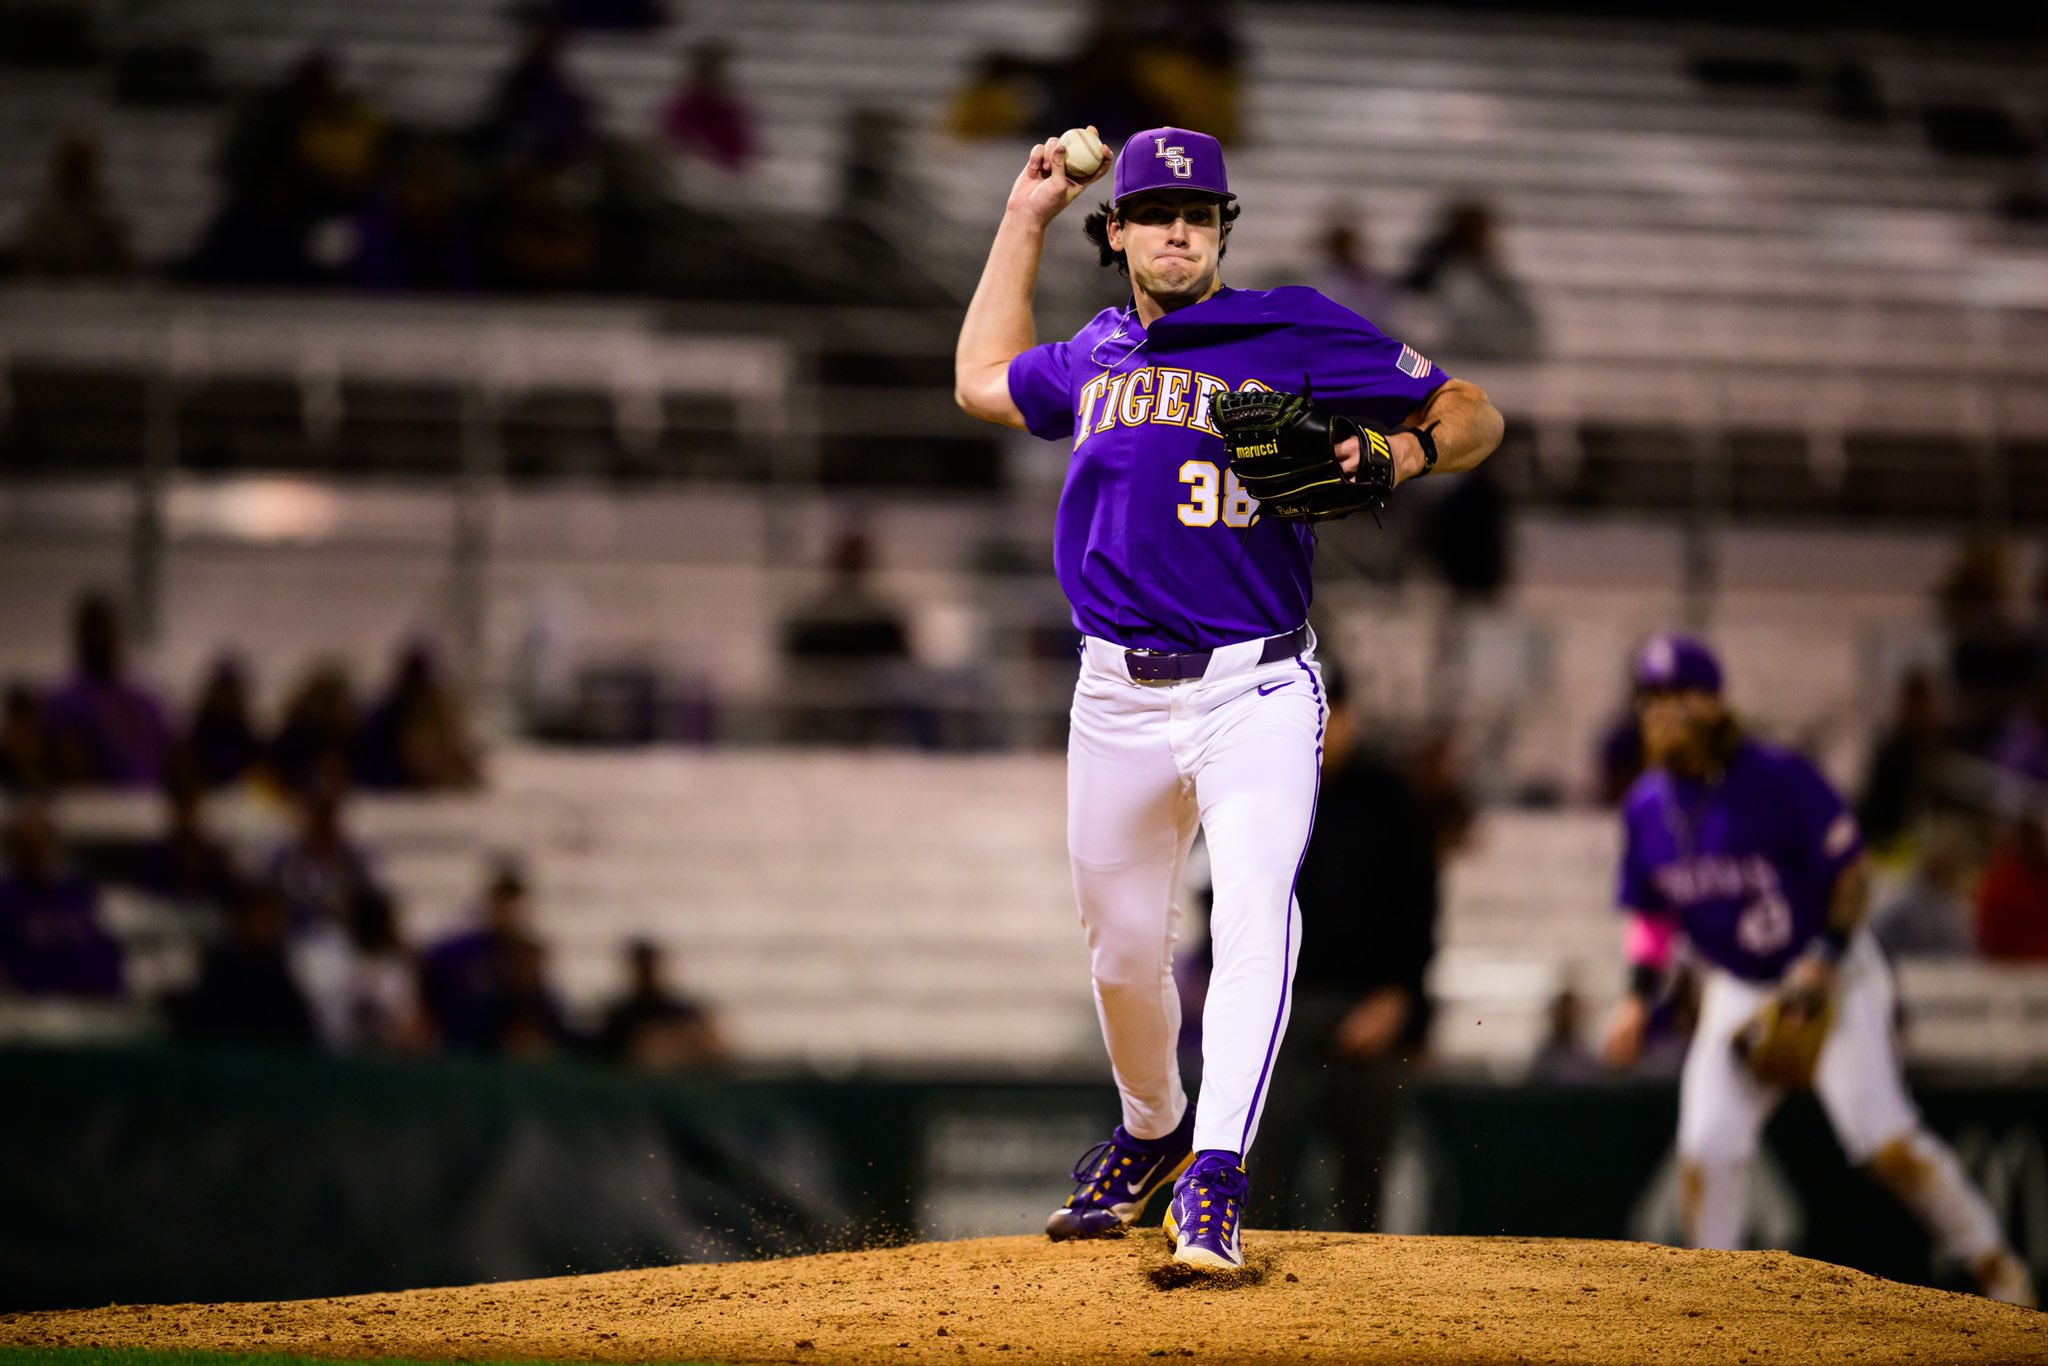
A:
1282, 448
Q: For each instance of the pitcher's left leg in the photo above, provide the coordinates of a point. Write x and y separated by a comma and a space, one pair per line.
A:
1255, 752
1256, 789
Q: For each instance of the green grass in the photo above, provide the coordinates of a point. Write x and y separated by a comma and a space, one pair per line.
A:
111, 1356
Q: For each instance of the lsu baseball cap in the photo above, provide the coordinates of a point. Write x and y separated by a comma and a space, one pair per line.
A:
1169, 159
1671, 662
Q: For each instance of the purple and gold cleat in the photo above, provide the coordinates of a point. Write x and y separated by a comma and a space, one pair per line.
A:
1115, 1178
1202, 1218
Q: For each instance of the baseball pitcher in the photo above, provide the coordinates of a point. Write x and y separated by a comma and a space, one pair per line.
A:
1210, 428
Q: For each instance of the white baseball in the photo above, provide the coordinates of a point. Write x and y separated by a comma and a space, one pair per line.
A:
1084, 152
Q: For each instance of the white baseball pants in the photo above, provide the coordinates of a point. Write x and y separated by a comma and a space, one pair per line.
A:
1240, 750
1722, 1109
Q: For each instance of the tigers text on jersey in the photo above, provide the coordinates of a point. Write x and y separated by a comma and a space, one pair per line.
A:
1747, 864
1156, 545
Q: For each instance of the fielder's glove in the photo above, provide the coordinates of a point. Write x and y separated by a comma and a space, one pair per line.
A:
1781, 1042
1282, 448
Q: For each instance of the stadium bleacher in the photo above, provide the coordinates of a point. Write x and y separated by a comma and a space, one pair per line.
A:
1726, 252
902, 913
1718, 273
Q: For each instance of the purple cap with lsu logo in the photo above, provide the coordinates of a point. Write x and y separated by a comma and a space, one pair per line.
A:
1169, 159
1671, 662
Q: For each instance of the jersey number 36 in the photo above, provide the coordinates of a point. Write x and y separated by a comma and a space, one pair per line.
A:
1204, 505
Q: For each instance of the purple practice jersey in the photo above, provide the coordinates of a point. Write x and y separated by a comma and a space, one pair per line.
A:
1746, 865
1156, 545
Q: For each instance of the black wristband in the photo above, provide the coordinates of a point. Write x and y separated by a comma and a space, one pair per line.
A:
1424, 439
1645, 982
1829, 945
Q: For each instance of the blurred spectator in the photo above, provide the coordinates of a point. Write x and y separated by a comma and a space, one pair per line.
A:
419, 233
1343, 271
319, 729
849, 620
360, 983
1928, 916
1368, 889
105, 729
246, 994
73, 232
319, 869
845, 649
536, 113
2040, 625
337, 145
221, 740
1001, 99
310, 138
651, 1026
1902, 763
1434, 772
416, 738
186, 864
1466, 535
617, 16
483, 984
1480, 309
706, 117
1854, 93
1990, 657
1100, 81
51, 940
2022, 746
25, 761
882, 214
1190, 66
299, 160
545, 232
2012, 896
1563, 1057
529, 1022
262, 235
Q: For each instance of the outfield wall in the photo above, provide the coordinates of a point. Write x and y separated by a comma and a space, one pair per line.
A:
153, 1176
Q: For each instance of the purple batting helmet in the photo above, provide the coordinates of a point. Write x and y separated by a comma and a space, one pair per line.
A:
1169, 159
1671, 662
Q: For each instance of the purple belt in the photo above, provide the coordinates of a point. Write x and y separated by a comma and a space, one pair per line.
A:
1155, 667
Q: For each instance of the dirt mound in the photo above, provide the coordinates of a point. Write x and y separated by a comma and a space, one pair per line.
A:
1305, 1297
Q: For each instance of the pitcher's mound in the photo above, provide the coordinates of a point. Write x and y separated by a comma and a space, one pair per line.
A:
1304, 1297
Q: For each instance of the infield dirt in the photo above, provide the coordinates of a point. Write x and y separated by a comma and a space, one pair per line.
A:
1304, 1297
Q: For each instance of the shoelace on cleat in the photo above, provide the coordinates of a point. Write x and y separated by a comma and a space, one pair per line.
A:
1094, 1162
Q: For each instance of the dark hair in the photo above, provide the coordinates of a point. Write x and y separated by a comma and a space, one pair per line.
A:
1096, 226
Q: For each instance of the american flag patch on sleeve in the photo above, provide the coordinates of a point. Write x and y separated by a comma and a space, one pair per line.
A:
1413, 363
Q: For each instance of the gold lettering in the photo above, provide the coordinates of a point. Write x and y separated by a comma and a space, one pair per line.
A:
1172, 406
1206, 388
1137, 398
1091, 394
1109, 401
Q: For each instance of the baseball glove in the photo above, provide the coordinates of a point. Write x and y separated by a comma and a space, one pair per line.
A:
1781, 1042
1281, 447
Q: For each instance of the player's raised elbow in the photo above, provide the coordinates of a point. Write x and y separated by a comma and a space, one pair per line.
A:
983, 392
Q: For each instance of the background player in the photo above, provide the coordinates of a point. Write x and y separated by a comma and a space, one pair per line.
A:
1198, 697
1748, 852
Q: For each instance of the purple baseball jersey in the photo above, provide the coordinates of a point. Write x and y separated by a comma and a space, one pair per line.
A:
1156, 544
1746, 865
